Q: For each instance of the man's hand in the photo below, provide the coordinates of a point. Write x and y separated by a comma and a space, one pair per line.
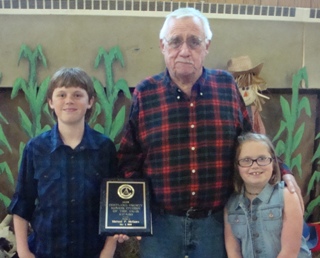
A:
293, 187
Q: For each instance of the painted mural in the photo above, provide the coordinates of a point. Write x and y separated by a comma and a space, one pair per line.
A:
31, 116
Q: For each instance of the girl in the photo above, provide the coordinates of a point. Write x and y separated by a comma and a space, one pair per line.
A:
262, 218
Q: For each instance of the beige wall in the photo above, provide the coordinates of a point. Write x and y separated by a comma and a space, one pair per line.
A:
73, 40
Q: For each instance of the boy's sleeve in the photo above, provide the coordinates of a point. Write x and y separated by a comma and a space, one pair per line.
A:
24, 198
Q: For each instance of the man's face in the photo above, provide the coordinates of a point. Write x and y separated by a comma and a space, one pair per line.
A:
184, 48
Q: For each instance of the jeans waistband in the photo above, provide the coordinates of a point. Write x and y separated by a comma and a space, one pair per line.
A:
192, 213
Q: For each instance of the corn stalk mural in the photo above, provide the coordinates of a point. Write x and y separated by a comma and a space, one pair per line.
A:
108, 94
35, 94
4, 167
289, 124
291, 114
314, 180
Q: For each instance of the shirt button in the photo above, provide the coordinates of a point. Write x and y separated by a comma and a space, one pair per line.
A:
191, 104
256, 235
192, 126
201, 93
193, 171
254, 218
193, 148
178, 97
193, 193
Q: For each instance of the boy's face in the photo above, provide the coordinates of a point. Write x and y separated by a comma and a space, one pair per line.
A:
70, 104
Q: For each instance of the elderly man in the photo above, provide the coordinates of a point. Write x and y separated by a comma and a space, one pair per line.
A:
181, 136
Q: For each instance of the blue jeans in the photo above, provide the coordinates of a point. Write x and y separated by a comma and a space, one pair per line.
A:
176, 237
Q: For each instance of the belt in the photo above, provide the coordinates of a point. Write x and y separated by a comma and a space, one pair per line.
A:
192, 213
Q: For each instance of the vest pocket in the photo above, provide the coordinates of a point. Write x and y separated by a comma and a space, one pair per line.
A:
272, 219
238, 224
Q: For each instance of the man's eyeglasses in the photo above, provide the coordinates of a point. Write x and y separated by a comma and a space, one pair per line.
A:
177, 42
261, 161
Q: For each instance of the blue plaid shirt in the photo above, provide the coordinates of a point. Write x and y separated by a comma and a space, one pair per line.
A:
58, 191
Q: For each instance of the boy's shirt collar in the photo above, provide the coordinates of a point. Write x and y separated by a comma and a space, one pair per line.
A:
87, 142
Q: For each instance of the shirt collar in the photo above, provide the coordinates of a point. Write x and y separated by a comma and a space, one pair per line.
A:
198, 86
88, 141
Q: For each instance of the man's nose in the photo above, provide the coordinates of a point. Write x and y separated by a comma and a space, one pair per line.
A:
185, 48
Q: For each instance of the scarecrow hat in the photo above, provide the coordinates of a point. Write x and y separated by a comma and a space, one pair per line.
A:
242, 65
311, 231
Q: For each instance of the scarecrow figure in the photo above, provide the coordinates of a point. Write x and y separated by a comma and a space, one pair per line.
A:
250, 84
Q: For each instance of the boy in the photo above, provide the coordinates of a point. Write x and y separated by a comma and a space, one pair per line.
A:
58, 188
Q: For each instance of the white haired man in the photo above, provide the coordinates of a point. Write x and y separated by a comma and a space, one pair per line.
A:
181, 135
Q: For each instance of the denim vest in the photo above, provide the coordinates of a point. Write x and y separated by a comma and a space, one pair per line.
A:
258, 226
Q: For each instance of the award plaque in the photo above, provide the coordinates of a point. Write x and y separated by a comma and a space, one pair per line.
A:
125, 207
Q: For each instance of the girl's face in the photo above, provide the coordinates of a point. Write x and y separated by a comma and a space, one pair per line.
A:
70, 104
255, 176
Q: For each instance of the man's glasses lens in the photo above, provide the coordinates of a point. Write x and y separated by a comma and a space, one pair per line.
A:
261, 161
177, 42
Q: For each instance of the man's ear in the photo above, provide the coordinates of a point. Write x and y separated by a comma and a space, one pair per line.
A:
208, 45
161, 45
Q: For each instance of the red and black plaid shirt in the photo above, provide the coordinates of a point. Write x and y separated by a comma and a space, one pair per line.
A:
185, 146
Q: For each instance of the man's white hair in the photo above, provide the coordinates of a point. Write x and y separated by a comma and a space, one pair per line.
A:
187, 12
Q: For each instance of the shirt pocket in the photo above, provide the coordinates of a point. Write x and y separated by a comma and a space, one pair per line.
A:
272, 219
48, 184
238, 225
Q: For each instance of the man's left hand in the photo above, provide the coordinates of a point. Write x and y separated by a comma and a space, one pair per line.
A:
293, 187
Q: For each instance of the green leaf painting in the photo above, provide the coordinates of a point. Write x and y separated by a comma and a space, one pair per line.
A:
4, 167
291, 113
294, 134
108, 93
